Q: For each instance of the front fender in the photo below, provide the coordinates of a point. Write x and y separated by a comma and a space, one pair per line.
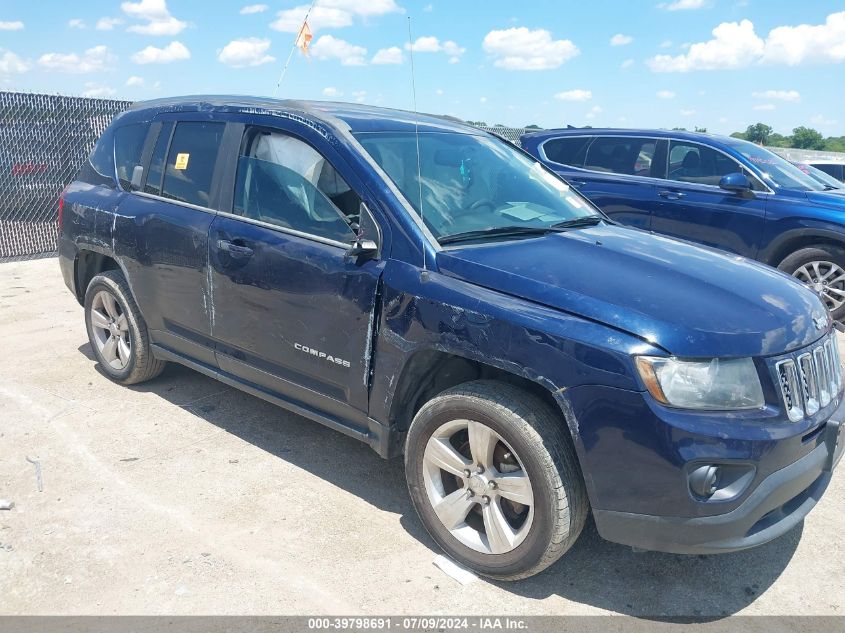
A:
431, 311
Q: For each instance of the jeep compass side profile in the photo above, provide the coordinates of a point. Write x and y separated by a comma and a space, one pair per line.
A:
437, 293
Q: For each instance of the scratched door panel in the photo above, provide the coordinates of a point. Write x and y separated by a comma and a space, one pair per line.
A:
295, 316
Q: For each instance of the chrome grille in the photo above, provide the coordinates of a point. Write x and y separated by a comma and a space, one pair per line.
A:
811, 381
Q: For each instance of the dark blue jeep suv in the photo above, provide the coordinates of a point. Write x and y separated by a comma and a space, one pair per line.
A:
432, 290
719, 191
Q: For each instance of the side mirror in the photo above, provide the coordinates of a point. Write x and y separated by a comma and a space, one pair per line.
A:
362, 248
137, 178
736, 183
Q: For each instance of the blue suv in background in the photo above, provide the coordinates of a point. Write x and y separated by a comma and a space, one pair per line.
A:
719, 191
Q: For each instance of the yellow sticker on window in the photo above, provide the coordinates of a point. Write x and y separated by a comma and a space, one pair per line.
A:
182, 161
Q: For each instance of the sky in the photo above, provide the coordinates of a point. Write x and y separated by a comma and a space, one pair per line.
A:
719, 64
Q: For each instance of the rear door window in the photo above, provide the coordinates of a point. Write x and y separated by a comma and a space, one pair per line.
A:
567, 150
158, 158
99, 168
128, 148
632, 156
190, 163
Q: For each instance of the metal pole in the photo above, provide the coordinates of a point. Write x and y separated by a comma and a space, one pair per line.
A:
293, 48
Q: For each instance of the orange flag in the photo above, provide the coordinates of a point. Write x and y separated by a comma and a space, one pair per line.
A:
304, 38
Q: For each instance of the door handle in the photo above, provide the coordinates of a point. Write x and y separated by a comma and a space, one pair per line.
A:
671, 195
236, 251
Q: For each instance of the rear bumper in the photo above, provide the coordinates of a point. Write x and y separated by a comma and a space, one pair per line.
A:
777, 504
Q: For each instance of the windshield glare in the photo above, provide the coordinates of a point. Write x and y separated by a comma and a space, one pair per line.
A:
472, 182
776, 169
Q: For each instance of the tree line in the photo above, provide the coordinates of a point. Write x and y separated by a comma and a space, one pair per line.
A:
801, 138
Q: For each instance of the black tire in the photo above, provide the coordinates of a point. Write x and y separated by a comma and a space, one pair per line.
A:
540, 439
818, 253
142, 365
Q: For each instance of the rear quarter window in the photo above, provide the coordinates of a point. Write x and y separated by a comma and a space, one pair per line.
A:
128, 147
567, 150
99, 168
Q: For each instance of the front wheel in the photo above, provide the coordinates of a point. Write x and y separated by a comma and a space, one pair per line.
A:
822, 269
494, 479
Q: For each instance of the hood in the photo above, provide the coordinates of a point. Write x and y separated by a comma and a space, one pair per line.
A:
689, 300
833, 199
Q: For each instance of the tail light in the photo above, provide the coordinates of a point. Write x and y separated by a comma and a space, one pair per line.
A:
60, 217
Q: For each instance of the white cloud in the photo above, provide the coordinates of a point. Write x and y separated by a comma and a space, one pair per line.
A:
330, 47
332, 14
331, 91
520, 48
737, 45
17, 25
621, 40
11, 64
360, 95
253, 8
665, 94
428, 8
439, 91
687, 112
173, 52
107, 24
594, 112
822, 121
155, 13
666, 44
684, 5
431, 44
392, 55
248, 51
779, 95
135, 81
765, 107
93, 89
483, 100
77, 23
96, 59
574, 95
627, 63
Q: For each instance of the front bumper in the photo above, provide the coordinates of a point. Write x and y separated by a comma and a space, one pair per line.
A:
777, 504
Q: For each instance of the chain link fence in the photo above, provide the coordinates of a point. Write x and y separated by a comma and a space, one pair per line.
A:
43, 141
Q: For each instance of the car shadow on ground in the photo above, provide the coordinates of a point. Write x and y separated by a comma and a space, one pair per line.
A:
594, 572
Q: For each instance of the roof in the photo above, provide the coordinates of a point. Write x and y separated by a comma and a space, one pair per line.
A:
676, 134
358, 117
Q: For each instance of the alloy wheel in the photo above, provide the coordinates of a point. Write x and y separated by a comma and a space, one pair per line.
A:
477, 486
826, 279
111, 330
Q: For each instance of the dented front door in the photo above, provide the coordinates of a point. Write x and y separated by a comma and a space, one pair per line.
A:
292, 314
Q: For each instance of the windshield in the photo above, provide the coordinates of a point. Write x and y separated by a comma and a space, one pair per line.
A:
776, 169
817, 174
473, 183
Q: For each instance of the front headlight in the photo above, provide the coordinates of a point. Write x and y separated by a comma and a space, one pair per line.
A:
711, 384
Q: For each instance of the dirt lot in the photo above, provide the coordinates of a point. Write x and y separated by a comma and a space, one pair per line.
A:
183, 496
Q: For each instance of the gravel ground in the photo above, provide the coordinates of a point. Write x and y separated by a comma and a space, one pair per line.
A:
183, 496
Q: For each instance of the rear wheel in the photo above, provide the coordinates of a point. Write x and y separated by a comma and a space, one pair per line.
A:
117, 331
822, 269
494, 479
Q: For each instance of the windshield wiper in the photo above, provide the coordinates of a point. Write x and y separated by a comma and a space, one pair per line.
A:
587, 220
496, 231
831, 188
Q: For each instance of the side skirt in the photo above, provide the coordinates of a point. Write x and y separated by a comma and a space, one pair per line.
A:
378, 437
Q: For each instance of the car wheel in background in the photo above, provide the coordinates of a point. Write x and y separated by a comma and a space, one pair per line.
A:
822, 269
117, 332
495, 479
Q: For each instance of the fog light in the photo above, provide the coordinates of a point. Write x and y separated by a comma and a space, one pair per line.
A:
702, 481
